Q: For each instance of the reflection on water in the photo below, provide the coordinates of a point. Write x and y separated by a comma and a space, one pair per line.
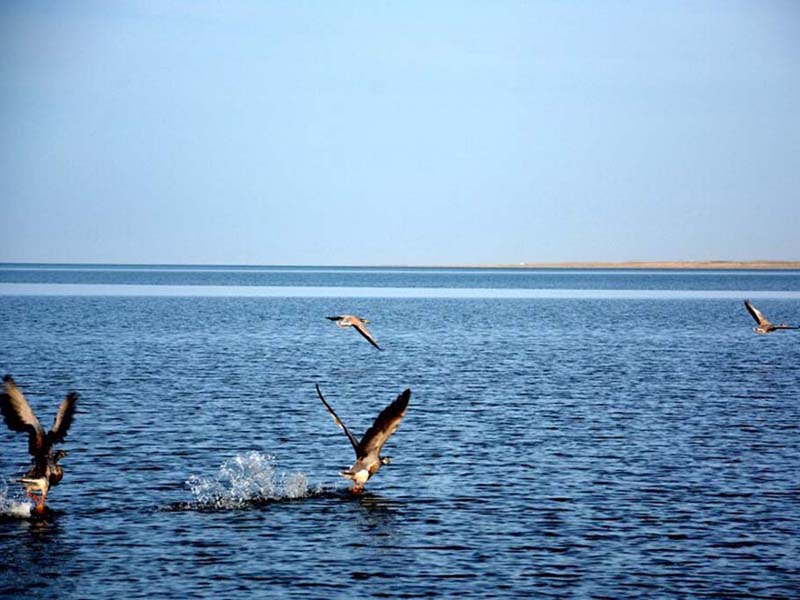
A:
35, 557
375, 504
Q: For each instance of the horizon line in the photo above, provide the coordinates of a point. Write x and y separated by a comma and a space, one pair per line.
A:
758, 264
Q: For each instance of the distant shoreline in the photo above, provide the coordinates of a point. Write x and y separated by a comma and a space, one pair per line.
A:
676, 264
727, 265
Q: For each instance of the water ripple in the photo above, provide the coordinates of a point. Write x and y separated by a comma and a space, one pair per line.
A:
552, 448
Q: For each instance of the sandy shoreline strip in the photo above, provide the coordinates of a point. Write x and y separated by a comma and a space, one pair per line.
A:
635, 264
731, 265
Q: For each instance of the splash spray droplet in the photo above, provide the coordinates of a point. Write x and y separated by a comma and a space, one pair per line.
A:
247, 478
12, 508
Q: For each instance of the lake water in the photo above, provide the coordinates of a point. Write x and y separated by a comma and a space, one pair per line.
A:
570, 433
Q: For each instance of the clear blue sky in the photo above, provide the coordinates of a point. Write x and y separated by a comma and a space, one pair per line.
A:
399, 132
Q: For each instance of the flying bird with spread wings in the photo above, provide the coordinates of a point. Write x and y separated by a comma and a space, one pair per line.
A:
18, 415
764, 326
368, 450
359, 324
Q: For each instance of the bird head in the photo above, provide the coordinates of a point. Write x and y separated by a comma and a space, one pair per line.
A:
386, 460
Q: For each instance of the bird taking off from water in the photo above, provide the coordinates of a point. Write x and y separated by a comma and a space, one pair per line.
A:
45, 471
368, 458
764, 326
358, 323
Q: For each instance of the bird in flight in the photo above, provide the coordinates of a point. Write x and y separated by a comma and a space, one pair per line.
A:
18, 415
764, 326
358, 323
368, 458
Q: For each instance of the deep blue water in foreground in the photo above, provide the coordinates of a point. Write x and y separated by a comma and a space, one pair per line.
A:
585, 445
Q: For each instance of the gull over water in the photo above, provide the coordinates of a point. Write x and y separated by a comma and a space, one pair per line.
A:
368, 449
763, 325
357, 323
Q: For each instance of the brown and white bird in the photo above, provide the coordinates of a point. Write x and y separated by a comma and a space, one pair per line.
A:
368, 450
359, 324
764, 326
45, 471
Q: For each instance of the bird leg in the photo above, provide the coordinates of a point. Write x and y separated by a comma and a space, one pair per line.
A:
39, 507
357, 489
39, 501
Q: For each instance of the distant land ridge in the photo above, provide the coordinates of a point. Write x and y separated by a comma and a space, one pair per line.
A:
628, 264
669, 264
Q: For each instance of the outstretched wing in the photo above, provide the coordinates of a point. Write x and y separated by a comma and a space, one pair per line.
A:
63, 420
755, 313
362, 329
339, 422
385, 425
334, 318
18, 415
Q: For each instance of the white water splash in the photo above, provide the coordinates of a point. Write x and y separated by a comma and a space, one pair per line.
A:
245, 479
13, 508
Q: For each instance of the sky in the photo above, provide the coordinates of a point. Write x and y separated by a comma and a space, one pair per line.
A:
398, 133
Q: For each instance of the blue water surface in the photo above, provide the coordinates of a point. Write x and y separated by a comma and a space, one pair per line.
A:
404, 277
578, 444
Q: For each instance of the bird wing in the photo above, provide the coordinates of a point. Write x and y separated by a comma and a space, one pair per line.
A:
339, 422
385, 425
362, 329
19, 416
334, 318
755, 313
63, 420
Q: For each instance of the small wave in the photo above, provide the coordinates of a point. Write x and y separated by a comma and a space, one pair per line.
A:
244, 480
13, 508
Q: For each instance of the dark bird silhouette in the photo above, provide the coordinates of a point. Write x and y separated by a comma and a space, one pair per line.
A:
45, 471
368, 450
764, 326
359, 324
